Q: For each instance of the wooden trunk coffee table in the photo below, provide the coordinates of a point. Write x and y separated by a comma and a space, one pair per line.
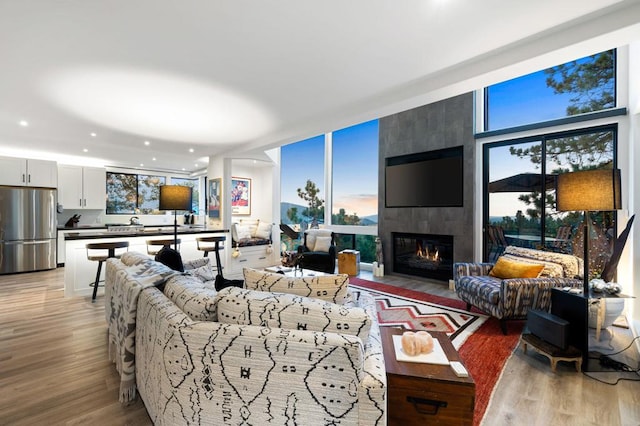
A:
426, 394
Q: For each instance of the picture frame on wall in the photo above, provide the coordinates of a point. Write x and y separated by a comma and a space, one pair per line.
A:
240, 196
213, 198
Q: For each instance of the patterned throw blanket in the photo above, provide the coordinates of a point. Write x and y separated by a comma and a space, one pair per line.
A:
121, 302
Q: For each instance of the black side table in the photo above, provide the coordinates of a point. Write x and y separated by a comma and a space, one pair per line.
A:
574, 307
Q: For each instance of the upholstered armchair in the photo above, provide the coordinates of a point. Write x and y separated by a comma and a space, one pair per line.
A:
318, 251
508, 294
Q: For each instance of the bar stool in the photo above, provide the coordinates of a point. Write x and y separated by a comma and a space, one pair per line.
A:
101, 257
207, 244
154, 246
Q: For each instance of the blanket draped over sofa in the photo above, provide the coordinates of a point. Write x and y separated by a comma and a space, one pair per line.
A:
121, 303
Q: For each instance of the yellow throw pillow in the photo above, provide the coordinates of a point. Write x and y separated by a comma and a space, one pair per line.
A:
505, 268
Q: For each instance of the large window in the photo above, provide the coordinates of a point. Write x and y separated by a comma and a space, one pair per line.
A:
302, 182
355, 175
195, 194
133, 194
584, 85
520, 197
353, 167
519, 175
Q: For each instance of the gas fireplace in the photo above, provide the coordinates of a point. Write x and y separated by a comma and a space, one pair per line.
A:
423, 255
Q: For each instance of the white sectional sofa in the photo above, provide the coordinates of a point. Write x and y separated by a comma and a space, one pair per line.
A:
242, 356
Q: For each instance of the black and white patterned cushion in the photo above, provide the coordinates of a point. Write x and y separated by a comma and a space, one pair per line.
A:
195, 298
331, 288
249, 307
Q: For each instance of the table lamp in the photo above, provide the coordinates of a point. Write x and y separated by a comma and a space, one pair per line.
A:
589, 190
175, 197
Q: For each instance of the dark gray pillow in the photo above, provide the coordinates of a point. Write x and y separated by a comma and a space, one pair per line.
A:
171, 258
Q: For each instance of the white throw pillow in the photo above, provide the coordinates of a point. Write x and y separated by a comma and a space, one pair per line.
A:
312, 234
332, 288
264, 231
322, 244
252, 224
243, 232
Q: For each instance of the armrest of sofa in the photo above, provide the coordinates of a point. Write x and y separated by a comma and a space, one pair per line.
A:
519, 295
462, 269
373, 385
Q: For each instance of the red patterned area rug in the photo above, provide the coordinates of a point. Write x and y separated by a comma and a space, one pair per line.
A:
478, 338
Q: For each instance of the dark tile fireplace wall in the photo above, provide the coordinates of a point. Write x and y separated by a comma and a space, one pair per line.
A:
443, 124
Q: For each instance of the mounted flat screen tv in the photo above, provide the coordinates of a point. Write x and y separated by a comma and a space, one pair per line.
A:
426, 179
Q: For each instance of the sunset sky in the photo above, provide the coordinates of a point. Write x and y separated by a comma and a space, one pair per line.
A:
355, 168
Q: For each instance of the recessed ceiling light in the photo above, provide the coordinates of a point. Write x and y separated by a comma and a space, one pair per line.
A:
85, 150
93, 134
190, 149
141, 165
183, 169
147, 143
196, 164
23, 123
153, 159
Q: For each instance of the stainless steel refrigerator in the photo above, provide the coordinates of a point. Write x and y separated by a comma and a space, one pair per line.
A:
27, 229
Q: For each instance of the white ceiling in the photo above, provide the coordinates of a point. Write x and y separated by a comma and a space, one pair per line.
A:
234, 76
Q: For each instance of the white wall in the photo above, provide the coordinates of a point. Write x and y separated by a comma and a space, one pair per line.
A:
633, 246
261, 175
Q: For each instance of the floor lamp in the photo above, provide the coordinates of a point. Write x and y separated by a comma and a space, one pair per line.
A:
589, 190
175, 197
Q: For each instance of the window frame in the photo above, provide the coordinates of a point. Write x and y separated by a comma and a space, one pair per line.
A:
542, 138
137, 177
567, 119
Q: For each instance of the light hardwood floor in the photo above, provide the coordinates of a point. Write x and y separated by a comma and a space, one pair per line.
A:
54, 367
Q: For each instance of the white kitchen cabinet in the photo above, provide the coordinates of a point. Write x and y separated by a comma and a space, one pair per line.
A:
27, 172
82, 187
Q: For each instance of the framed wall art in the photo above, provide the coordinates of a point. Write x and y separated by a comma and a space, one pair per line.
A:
213, 198
240, 196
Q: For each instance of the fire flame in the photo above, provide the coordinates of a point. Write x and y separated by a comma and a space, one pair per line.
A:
425, 254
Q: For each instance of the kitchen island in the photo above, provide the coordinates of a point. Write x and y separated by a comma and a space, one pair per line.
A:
79, 272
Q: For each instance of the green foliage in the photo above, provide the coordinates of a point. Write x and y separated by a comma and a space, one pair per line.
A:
572, 153
344, 219
122, 190
591, 83
292, 215
366, 245
195, 194
310, 195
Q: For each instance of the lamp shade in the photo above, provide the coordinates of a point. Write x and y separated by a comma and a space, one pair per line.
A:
175, 197
589, 190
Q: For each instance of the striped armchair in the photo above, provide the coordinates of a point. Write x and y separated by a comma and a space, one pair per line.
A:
511, 299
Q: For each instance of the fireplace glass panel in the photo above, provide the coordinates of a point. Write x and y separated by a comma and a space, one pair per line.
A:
423, 255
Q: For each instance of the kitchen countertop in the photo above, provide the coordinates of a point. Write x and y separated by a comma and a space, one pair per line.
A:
149, 231
69, 228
